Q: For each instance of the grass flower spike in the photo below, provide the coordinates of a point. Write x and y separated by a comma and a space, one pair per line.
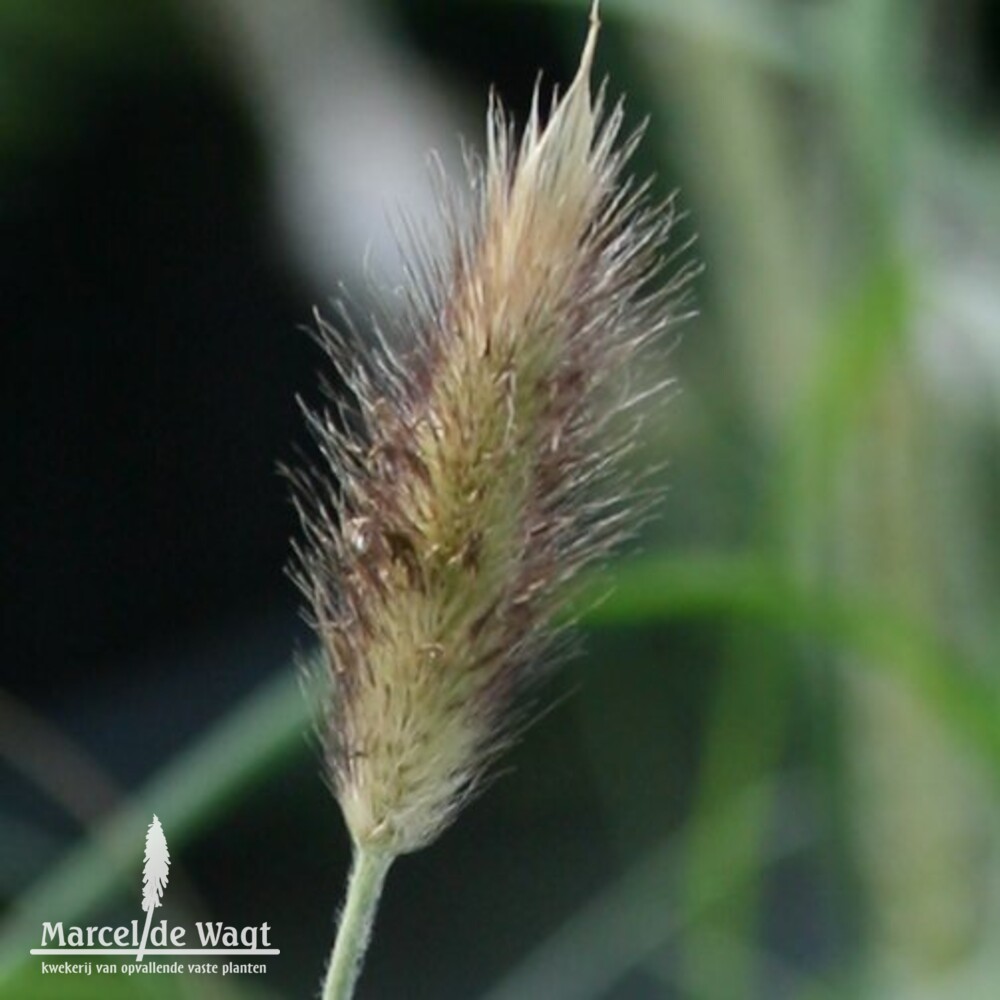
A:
473, 473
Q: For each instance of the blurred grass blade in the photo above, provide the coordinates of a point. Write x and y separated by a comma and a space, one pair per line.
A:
783, 979
638, 914
961, 693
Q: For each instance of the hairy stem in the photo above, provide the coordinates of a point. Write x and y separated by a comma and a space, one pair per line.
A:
364, 887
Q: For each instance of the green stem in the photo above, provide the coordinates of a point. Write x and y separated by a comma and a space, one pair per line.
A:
364, 887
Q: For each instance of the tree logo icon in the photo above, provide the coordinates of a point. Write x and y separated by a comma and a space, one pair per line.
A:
155, 872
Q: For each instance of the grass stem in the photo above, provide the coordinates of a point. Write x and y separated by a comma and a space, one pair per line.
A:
364, 888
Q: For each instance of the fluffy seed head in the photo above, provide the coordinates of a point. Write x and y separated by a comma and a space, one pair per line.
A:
471, 474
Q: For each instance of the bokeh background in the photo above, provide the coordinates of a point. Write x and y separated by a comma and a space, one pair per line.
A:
773, 772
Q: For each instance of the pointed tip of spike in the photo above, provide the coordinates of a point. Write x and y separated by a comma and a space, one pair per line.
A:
590, 45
